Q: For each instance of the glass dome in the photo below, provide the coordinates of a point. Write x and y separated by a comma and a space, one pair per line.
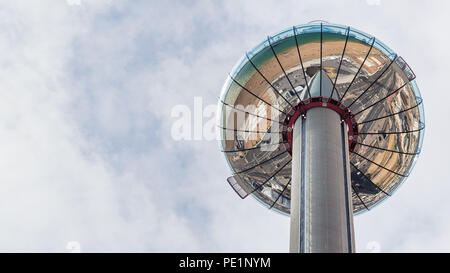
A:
370, 81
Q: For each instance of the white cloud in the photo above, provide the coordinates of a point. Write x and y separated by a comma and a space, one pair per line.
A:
86, 92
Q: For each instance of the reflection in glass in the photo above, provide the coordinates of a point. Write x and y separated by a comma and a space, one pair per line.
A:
369, 78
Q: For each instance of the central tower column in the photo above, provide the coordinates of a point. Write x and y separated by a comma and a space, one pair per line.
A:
321, 203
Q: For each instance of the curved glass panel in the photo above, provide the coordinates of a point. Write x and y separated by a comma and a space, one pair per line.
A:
266, 85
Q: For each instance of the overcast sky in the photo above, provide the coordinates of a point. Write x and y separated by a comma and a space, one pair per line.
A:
86, 155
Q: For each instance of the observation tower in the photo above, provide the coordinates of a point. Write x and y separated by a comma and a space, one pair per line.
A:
320, 122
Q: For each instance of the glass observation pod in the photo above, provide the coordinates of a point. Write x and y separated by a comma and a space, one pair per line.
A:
374, 90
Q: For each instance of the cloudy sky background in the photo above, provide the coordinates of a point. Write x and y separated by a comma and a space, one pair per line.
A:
86, 92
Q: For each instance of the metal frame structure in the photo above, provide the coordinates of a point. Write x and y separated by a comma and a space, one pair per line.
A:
371, 88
